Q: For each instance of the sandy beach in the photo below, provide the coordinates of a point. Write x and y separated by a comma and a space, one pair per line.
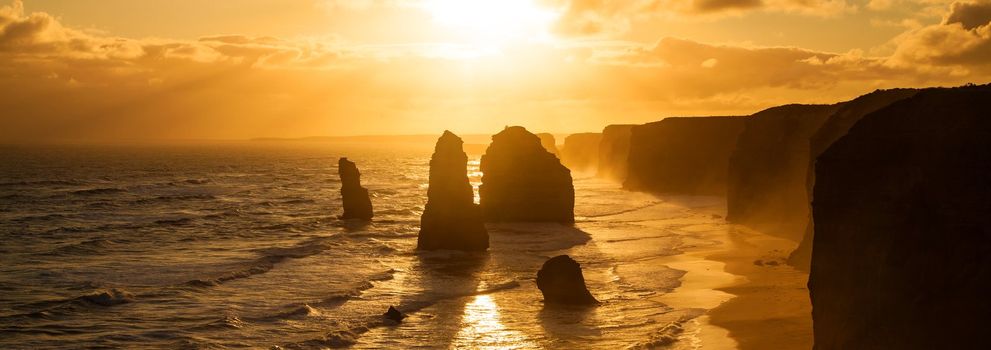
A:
754, 300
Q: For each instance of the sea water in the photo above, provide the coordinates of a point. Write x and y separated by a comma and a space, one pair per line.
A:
238, 245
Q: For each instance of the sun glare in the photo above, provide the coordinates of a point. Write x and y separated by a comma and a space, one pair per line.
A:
488, 23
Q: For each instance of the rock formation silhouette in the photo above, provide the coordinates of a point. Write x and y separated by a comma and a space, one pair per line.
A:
547, 140
614, 150
683, 155
581, 152
835, 127
768, 170
451, 219
521, 181
394, 314
357, 205
902, 247
560, 280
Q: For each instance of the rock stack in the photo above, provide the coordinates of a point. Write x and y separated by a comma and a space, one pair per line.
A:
901, 256
581, 152
522, 181
451, 219
547, 140
560, 280
357, 205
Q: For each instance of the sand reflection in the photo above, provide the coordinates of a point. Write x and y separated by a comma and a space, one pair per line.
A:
481, 328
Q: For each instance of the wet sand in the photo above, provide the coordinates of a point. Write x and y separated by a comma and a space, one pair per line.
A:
750, 305
771, 307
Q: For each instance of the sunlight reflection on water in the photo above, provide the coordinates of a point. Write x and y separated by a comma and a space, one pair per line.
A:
481, 328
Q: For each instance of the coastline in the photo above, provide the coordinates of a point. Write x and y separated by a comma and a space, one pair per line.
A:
749, 306
771, 307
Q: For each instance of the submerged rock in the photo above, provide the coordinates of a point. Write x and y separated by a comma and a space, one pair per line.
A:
560, 280
835, 127
451, 219
581, 152
902, 248
521, 181
394, 314
614, 150
357, 205
683, 155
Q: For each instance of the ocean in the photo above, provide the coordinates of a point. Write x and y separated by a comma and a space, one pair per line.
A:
238, 245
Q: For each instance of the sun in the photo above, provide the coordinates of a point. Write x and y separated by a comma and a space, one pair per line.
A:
489, 22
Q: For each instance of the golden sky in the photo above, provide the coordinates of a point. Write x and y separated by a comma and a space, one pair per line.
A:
233, 69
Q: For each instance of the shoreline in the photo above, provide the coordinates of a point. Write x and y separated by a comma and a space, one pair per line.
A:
771, 307
748, 306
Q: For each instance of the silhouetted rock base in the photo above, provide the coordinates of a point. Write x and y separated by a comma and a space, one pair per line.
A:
561, 281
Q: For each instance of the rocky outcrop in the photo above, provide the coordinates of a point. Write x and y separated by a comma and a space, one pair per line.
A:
357, 205
683, 155
560, 280
521, 181
614, 150
902, 246
768, 170
835, 127
548, 141
451, 219
581, 152
394, 314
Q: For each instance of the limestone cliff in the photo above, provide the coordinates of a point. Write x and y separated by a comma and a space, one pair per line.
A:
614, 150
581, 151
902, 245
451, 219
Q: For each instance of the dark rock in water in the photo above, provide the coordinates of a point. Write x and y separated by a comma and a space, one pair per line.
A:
560, 280
683, 155
581, 152
548, 141
835, 127
521, 181
902, 248
357, 205
614, 149
451, 219
394, 314
768, 170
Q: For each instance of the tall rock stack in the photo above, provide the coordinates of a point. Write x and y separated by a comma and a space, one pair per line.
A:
581, 152
902, 248
451, 219
357, 205
549, 142
522, 181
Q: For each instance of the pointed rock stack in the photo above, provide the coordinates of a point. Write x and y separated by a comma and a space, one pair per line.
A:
451, 219
357, 205
522, 181
560, 280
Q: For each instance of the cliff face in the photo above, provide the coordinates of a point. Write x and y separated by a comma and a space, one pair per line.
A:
835, 127
767, 171
683, 155
548, 141
521, 181
581, 151
614, 150
357, 205
902, 246
451, 219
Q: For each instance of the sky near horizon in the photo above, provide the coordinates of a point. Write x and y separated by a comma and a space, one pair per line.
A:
233, 69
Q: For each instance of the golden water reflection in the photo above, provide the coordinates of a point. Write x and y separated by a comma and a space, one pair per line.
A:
481, 328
